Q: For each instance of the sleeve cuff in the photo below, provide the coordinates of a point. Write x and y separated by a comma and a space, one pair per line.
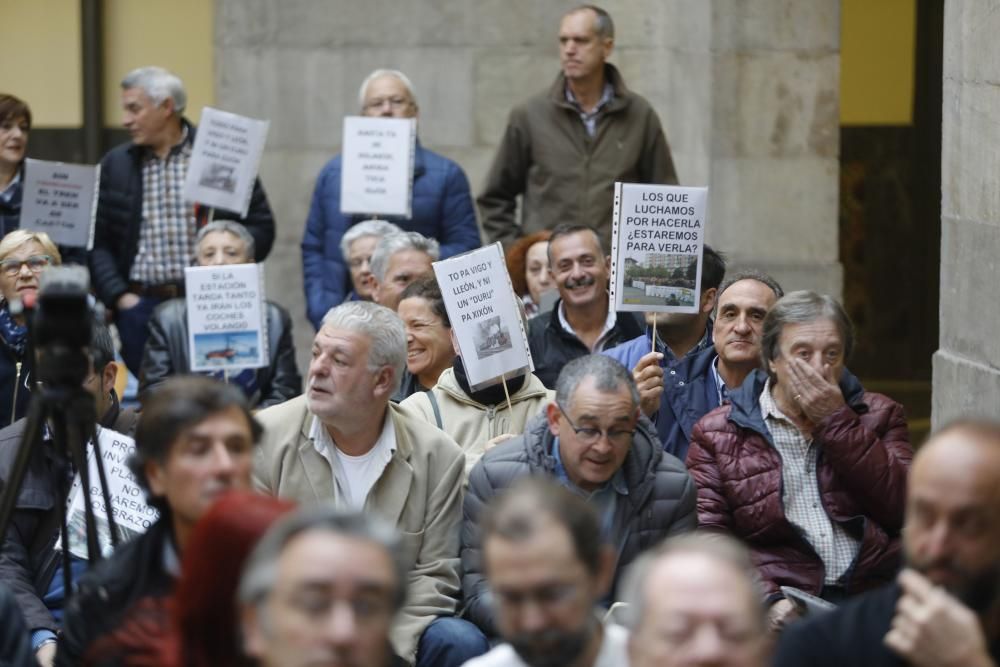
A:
40, 636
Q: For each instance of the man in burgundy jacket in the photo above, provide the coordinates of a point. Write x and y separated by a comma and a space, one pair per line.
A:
805, 466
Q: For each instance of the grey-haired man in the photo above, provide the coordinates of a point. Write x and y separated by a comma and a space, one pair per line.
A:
144, 230
344, 442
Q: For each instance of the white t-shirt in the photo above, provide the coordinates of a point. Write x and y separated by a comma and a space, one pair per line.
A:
613, 652
354, 476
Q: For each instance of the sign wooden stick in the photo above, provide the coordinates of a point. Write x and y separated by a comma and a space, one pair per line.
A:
654, 331
503, 378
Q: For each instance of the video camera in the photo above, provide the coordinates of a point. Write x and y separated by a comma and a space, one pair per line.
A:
60, 326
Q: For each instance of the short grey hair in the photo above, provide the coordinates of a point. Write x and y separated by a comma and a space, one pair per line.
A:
604, 27
405, 80
261, 570
232, 227
390, 244
158, 84
798, 308
608, 374
721, 548
377, 228
749, 274
379, 325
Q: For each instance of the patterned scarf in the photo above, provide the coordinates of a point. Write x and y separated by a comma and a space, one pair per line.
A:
12, 333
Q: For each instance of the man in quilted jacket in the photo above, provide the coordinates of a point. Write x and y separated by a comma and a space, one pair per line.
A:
804, 465
592, 440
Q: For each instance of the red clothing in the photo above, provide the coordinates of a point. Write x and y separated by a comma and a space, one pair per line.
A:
864, 457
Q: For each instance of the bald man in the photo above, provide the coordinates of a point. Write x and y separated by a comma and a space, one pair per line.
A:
944, 609
708, 609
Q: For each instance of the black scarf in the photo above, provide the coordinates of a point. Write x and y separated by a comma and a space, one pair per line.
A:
492, 395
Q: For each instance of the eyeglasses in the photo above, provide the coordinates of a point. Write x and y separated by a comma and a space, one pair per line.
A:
590, 436
35, 263
394, 103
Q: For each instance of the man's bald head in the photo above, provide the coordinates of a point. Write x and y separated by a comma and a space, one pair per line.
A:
951, 534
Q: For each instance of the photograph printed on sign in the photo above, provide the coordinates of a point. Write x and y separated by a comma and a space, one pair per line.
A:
485, 316
657, 247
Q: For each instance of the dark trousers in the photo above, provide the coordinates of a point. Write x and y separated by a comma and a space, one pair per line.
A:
133, 328
449, 642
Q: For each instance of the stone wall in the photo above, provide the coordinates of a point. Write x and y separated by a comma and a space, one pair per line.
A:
747, 93
967, 364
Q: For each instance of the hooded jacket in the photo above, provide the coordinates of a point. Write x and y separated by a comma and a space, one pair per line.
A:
864, 457
471, 423
660, 502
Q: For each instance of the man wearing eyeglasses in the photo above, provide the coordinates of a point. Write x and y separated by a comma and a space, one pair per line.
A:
442, 204
592, 440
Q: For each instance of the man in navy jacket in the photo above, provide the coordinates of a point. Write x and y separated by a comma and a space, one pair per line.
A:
442, 205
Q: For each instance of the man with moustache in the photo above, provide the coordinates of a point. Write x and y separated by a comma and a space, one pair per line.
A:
582, 321
944, 609
548, 568
677, 393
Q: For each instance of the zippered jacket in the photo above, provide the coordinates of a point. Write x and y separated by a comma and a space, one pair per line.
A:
660, 502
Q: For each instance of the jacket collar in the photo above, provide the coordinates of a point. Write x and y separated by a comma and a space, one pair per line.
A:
390, 491
745, 412
531, 388
639, 467
557, 93
137, 152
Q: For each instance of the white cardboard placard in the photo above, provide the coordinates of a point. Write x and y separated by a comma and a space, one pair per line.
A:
128, 502
227, 328
225, 159
376, 176
485, 315
656, 247
61, 200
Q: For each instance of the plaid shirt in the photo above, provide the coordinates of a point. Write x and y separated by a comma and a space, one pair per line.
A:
801, 497
168, 227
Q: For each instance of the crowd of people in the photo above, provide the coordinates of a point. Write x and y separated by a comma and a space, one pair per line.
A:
712, 488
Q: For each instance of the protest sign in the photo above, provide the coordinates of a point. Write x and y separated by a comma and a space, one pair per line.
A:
656, 247
485, 315
376, 175
128, 502
227, 328
224, 160
60, 200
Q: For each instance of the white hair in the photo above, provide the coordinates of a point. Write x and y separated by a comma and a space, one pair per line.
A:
405, 80
377, 228
158, 84
381, 326
390, 244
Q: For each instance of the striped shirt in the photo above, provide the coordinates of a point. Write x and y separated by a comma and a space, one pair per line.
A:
589, 118
168, 227
801, 496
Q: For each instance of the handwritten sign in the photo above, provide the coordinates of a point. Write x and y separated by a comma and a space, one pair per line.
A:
484, 314
659, 234
376, 176
224, 160
226, 318
61, 200
128, 502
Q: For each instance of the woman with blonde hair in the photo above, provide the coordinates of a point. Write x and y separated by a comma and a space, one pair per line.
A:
24, 256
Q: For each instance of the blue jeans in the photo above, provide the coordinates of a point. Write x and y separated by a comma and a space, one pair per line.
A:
133, 329
449, 642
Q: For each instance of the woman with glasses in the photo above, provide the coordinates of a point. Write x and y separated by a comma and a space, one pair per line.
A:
24, 256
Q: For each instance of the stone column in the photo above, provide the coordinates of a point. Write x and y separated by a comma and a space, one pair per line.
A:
967, 363
746, 91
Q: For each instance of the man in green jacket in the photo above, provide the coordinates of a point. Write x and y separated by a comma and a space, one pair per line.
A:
564, 149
